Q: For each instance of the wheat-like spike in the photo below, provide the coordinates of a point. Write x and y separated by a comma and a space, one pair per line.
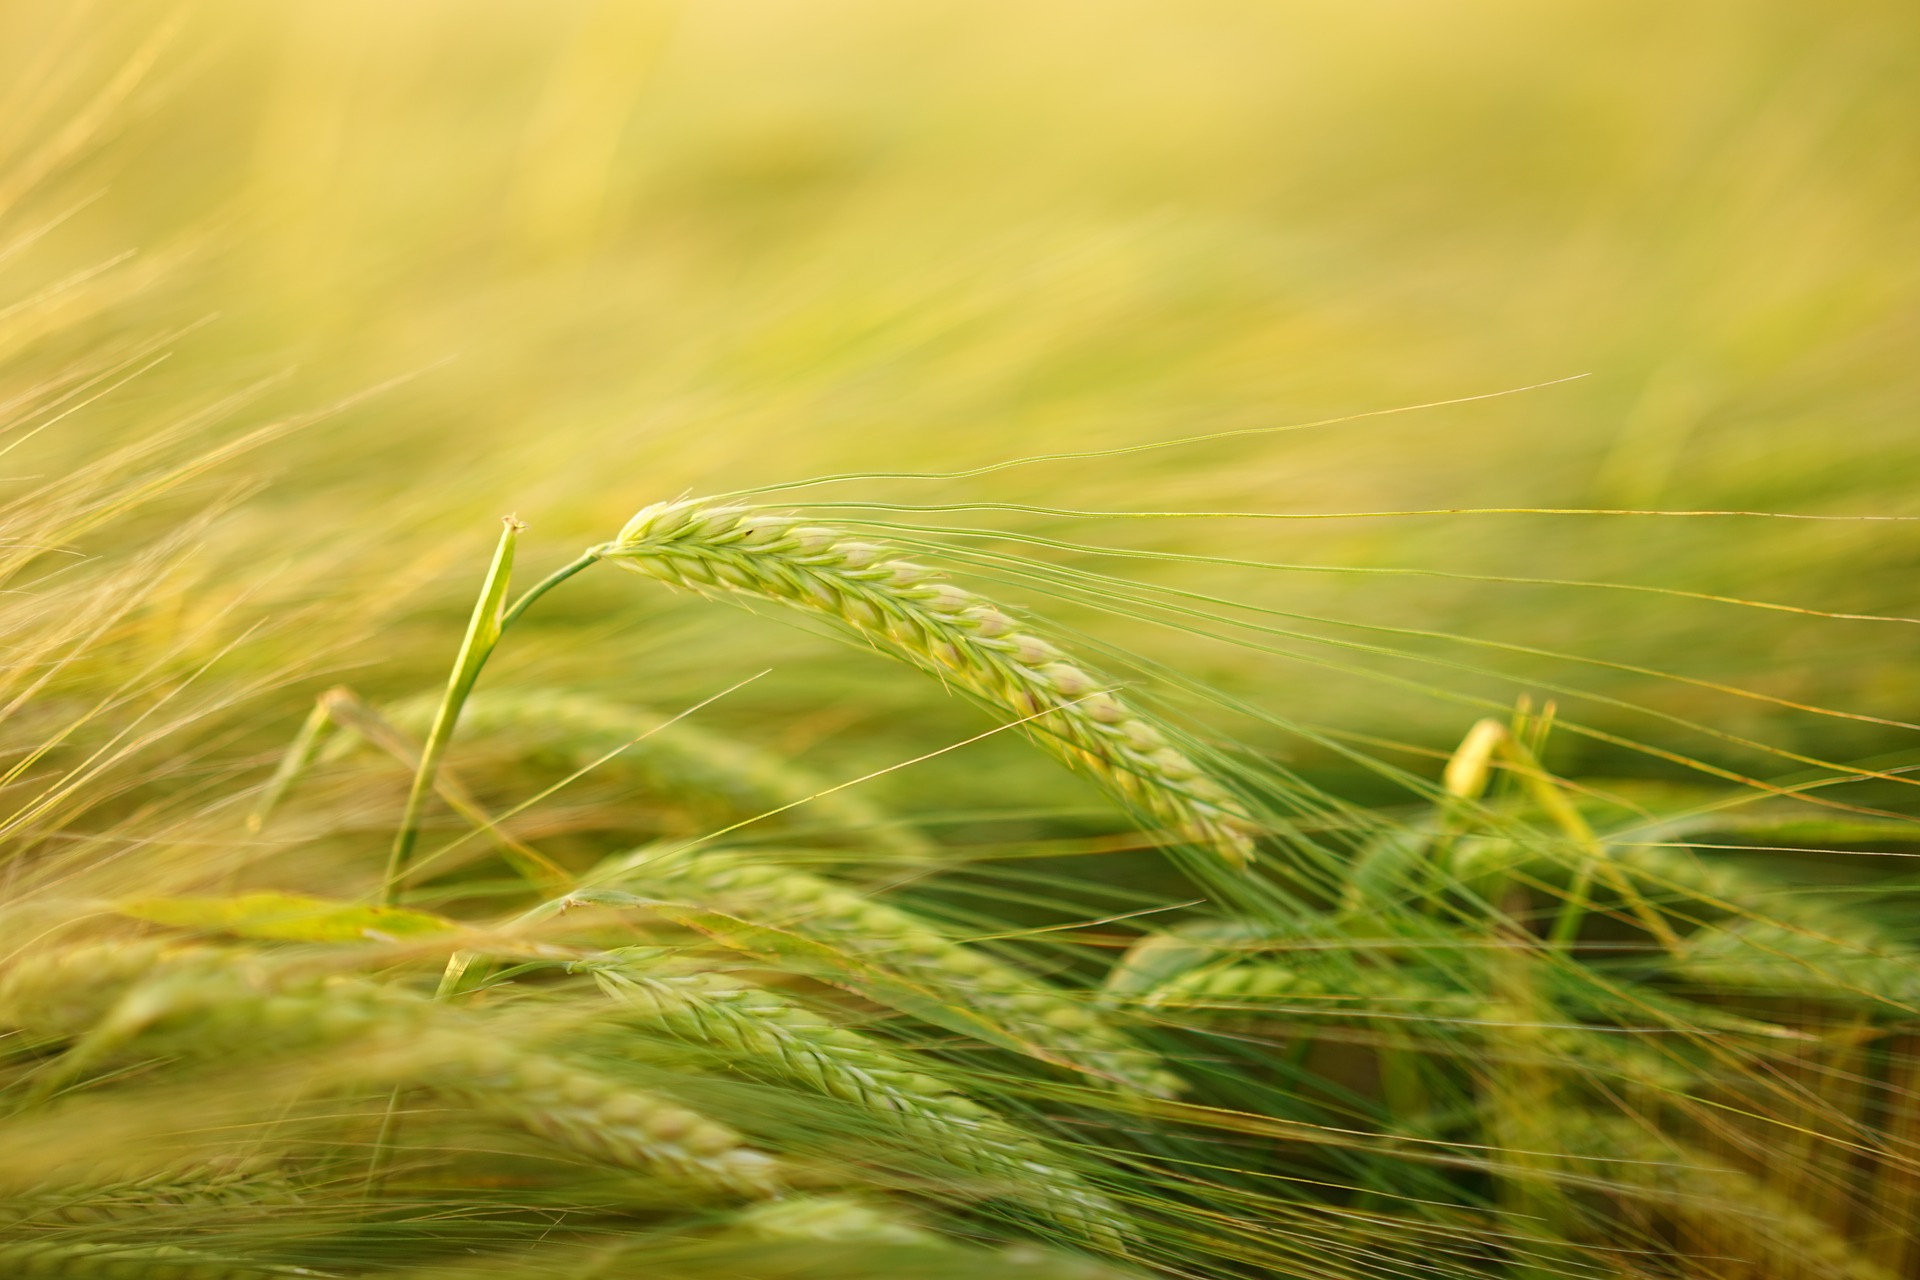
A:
1158, 958
1237, 984
1853, 965
1028, 1006
911, 612
731, 1014
1672, 876
1022, 1260
1695, 1187
1349, 989
62, 991
685, 761
47, 1260
849, 1220
736, 1016
210, 1188
831, 1219
212, 1002
592, 1113
1381, 998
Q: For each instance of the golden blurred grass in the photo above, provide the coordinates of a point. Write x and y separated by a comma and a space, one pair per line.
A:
569, 258
625, 250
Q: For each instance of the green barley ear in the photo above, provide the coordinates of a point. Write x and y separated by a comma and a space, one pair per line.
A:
833, 1219
1023, 1004
912, 613
85, 1261
760, 1027
200, 1003
1857, 965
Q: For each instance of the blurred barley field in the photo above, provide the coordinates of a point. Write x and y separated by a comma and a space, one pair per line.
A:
1339, 375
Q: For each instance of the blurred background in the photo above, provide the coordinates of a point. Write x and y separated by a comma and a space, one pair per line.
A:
571, 257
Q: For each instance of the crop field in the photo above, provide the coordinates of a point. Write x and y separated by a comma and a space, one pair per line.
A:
969, 639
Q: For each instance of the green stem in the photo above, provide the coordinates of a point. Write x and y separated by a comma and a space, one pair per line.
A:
483, 632
547, 584
300, 753
1566, 925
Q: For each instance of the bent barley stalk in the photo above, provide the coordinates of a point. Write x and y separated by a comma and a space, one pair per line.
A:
199, 1192
848, 1220
739, 1017
832, 1219
1708, 1199
1024, 1003
58, 1261
912, 613
1854, 966
210, 1003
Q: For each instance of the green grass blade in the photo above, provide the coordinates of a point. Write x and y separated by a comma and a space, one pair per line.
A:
483, 632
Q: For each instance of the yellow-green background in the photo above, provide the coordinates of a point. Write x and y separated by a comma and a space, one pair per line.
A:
629, 250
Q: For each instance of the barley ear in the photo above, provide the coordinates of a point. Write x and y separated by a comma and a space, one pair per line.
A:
1023, 1004
913, 614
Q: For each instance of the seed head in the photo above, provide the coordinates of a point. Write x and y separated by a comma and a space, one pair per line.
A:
910, 612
